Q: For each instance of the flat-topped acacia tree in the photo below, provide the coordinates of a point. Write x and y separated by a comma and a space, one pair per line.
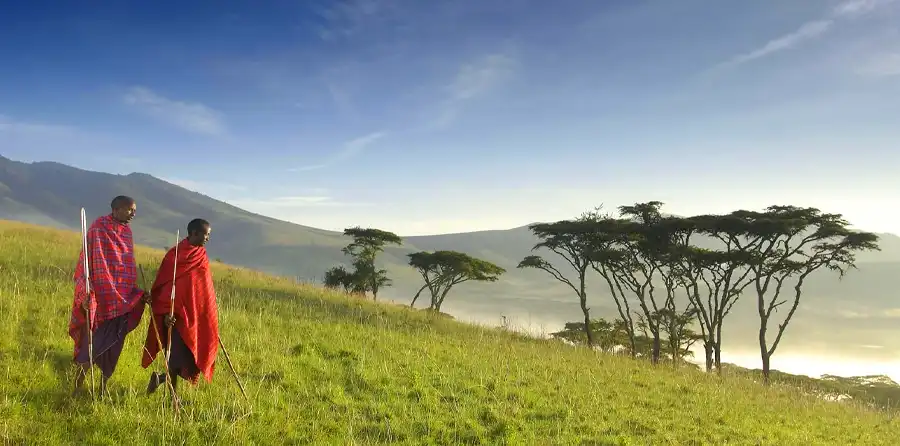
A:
442, 270
568, 239
794, 243
366, 245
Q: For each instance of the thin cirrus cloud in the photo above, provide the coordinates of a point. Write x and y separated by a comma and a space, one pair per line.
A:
474, 79
349, 150
188, 116
808, 31
11, 126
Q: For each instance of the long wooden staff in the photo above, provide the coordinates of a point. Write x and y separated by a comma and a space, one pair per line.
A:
234, 373
87, 287
156, 332
228, 359
172, 298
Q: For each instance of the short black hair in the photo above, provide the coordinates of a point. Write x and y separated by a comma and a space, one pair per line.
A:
121, 201
197, 224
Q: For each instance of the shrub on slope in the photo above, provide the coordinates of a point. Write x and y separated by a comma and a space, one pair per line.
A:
321, 368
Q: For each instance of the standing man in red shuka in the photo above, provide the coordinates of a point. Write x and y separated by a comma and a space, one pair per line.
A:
195, 334
115, 301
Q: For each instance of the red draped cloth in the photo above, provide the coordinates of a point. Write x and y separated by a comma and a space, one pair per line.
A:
196, 312
113, 276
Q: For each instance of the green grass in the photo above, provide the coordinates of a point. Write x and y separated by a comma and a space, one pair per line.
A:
321, 368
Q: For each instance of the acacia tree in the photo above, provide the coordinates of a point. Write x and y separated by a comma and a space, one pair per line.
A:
442, 270
606, 334
679, 335
608, 259
647, 243
570, 240
366, 245
339, 277
714, 279
795, 242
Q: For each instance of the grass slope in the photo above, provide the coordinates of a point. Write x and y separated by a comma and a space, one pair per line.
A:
322, 368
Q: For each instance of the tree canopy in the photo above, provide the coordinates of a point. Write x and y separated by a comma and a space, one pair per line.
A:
442, 270
366, 245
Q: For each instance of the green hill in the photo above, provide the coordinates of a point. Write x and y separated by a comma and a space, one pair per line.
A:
863, 304
323, 368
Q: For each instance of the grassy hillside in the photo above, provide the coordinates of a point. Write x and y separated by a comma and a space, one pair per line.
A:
322, 368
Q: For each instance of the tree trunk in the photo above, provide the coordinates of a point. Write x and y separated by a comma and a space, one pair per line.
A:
582, 297
587, 324
656, 345
718, 348
673, 342
413, 303
763, 351
675, 353
719, 358
708, 351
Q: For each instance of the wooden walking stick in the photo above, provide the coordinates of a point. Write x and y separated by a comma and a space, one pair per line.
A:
172, 304
228, 360
87, 287
233, 372
156, 332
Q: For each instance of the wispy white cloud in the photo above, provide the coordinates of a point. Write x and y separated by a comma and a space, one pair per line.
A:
477, 77
346, 18
808, 31
189, 116
10, 126
357, 145
856, 7
341, 98
474, 79
349, 150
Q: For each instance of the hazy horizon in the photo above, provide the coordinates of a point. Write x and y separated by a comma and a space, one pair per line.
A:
789, 358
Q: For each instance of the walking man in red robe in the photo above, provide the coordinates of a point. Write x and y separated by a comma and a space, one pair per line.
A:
114, 300
195, 334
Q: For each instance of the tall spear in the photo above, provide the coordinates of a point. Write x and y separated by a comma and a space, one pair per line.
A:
87, 287
172, 304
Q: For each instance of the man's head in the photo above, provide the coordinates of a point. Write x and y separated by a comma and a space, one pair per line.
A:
123, 209
198, 232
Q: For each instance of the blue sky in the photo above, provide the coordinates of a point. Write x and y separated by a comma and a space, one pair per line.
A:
445, 116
